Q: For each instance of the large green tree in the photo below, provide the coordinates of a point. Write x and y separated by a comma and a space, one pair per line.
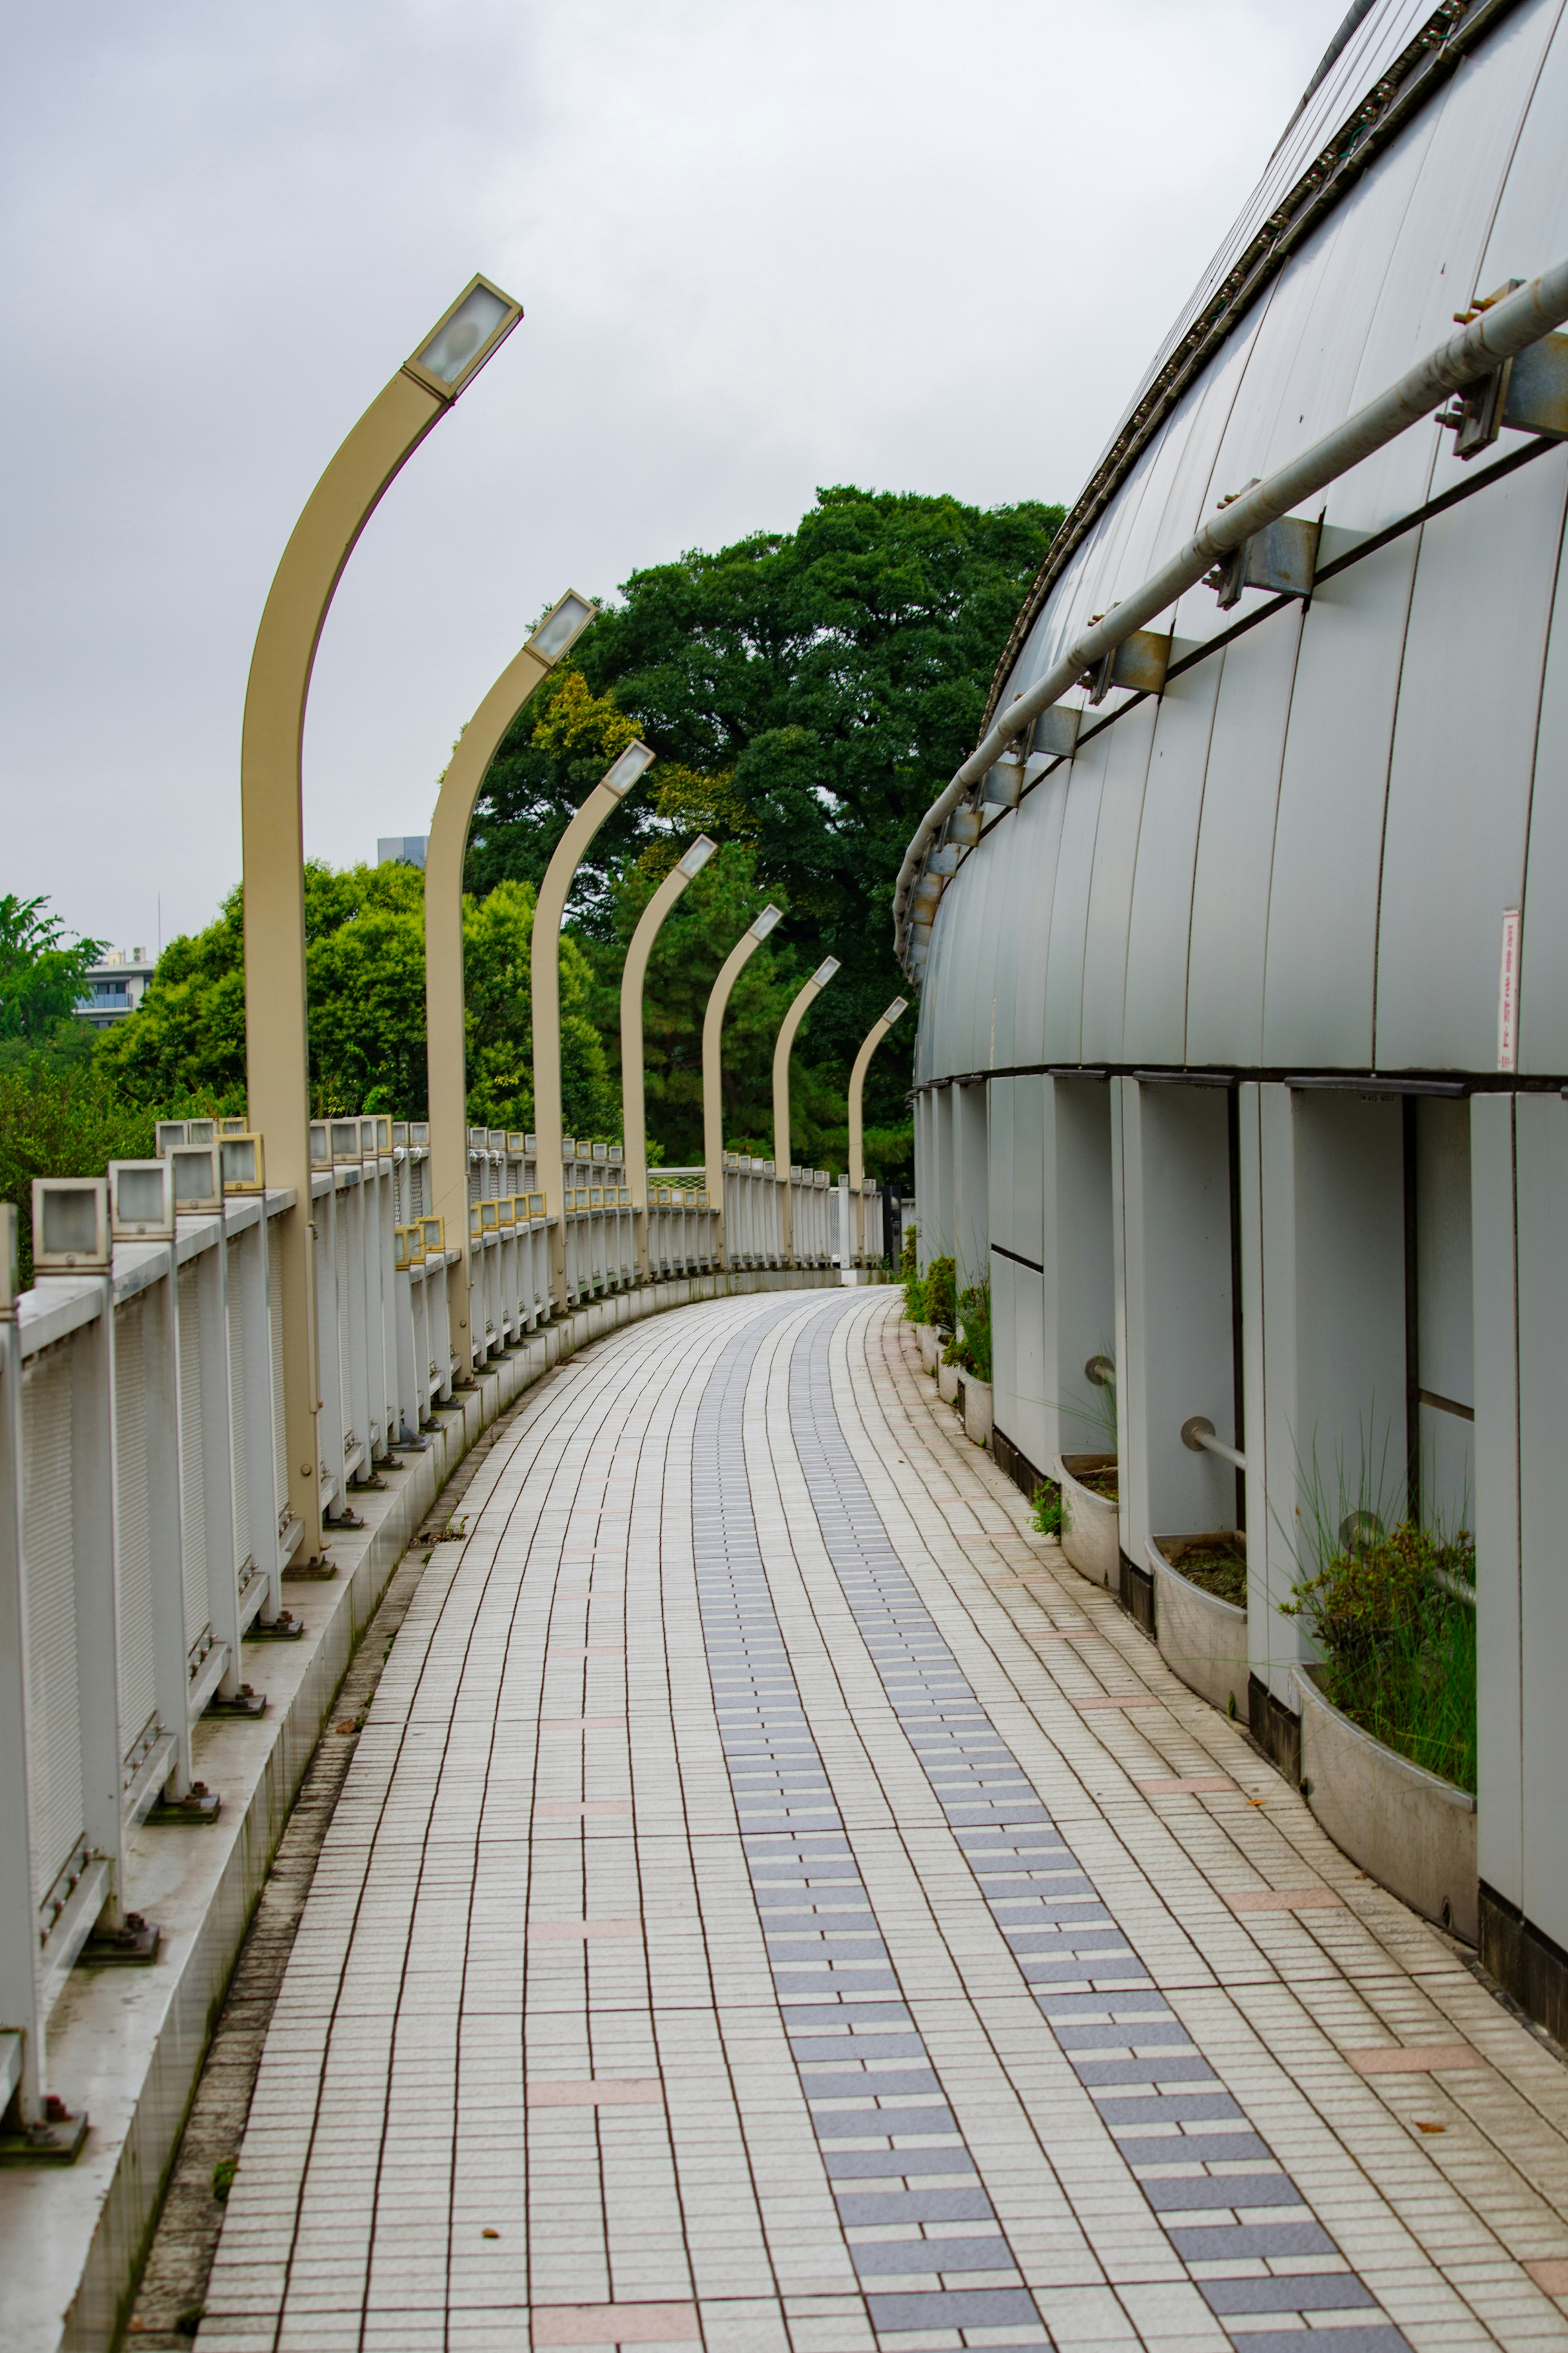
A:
808, 694
42, 975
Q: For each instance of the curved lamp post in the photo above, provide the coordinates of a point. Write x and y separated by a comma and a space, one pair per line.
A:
872, 1040
805, 999
277, 1053
633, 1078
730, 971
445, 1039
545, 967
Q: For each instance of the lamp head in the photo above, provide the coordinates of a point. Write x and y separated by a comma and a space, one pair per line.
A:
900, 1006
632, 763
697, 857
765, 921
463, 339
562, 627
825, 972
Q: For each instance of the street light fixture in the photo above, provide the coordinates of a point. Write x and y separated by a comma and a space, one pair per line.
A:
633, 1078
444, 859
872, 1040
805, 998
545, 969
730, 972
276, 1057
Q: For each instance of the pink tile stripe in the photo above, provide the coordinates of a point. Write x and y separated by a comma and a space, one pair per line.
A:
1174, 1786
1551, 2272
1416, 2058
601, 2092
563, 1932
615, 2324
1285, 1899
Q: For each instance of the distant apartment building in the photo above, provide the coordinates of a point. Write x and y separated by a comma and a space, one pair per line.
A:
407, 849
115, 986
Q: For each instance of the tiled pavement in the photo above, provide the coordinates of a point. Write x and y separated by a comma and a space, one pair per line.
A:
775, 1903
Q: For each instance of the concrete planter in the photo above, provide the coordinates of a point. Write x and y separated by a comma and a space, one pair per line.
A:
929, 1350
975, 1398
1415, 1833
947, 1379
1201, 1638
1090, 1530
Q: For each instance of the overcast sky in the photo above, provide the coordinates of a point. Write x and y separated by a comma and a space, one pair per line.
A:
761, 244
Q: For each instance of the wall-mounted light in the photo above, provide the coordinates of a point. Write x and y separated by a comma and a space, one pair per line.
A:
230, 1127
433, 1232
70, 1225
243, 1168
464, 337
321, 1144
197, 1172
167, 1133
419, 1136
140, 1201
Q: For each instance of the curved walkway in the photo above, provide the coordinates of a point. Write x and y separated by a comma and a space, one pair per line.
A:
776, 1905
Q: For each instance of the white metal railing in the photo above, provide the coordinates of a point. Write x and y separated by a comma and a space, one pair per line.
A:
144, 1521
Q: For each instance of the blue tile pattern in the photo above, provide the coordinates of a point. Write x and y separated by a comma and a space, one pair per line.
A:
1090, 1983
852, 2040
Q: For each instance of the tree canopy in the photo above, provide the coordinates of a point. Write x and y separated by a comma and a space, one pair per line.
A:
808, 694
41, 973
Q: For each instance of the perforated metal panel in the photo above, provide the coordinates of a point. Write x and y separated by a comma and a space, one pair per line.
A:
54, 1720
193, 1480
133, 1542
275, 1319
239, 1431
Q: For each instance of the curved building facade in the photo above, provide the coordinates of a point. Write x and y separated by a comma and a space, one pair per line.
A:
1244, 1023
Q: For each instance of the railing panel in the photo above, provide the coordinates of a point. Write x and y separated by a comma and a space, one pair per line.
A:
54, 1708
136, 1643
194, 1447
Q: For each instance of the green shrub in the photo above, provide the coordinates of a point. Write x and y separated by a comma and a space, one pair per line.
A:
61, 1121
971, 1344
1046, 1513
940, 1293
911, 1277
1398, 1637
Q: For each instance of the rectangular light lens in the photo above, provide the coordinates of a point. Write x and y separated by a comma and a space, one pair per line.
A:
765, 921
697, 857
634, 760
198, 1180
900, 1006
242, 1164
558, 627
824, 971
457, 342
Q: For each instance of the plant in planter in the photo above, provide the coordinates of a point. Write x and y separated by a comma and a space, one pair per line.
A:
1393, 1613
1217, 1563
914, 1284
940, 1294
1046, 1508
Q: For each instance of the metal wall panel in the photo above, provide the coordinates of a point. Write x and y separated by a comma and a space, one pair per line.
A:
1034, 848
132, 1530
1079, 1288
1544, 967
1069, 905
1500, 1665
1464, 745
1321, 954
1235, 844
54, 1715
1160, 923
1004, 1346
1540, 1134
1110, 883
1001, 1160
971, 1184
1444, 1312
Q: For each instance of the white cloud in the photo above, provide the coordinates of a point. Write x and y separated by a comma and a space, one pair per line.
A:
760, 247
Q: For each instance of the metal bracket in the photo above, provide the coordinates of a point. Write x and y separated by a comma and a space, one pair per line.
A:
1055, 731
195, 1810
1139, 662
56, 2138
284, 1628
1281, 559
131, 1947
1529, 394
245, 1702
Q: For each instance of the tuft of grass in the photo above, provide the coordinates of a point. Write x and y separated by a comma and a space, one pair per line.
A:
940, 1293
1394, 1616
222, 2177
970, 1346
1046, 1511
